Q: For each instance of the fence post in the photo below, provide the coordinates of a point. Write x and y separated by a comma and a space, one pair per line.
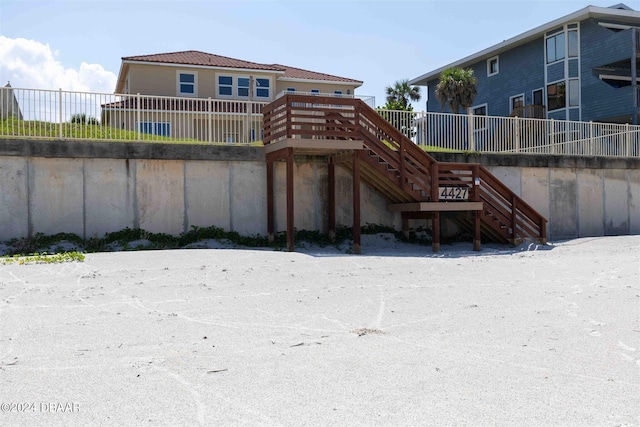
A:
247, 128
424, 128
516, 142
209, 124
60, 112
627, 138
470, 125
138, 123
591, 144
552, 142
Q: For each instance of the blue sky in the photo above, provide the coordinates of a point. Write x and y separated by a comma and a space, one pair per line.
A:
77, 45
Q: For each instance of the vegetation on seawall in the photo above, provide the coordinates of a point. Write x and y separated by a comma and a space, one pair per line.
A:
64, 247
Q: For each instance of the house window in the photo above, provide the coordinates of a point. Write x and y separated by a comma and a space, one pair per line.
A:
573, 43
262, 88
187, 84
291, 90
315, 92
155, 128
479, 122
480, 110
516, 102
337, 93
243, 87
493, 66
225, 86
537, 97
555, 48
574, 93
556, 96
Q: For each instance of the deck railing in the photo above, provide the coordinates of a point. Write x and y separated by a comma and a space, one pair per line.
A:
57, 114
369, 100
396, 166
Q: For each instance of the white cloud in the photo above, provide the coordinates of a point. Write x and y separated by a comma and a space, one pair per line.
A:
31, 64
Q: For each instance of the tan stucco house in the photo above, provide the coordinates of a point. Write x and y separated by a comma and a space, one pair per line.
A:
192, 94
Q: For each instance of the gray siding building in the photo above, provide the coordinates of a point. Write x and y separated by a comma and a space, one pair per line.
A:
583, 67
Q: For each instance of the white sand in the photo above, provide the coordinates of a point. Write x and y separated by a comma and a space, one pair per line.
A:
396, 336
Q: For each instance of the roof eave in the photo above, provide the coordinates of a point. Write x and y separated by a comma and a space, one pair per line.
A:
173, 64
578, 15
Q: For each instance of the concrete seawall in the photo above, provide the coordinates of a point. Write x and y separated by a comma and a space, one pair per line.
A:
91, 188
580, 196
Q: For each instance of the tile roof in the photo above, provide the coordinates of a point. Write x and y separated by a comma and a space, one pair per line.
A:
194, 57
299, 73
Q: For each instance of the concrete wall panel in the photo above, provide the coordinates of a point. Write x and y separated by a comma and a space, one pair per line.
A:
634, 201
306, 196
374, 208
535, 189
590, 203
344, 197
509, 176
160, 195
109, 194
280, 191
616, 199
249, 197
14, 198
562, 204
207, 194
56, 202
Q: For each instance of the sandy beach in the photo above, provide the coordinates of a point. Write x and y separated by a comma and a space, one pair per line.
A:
533, 335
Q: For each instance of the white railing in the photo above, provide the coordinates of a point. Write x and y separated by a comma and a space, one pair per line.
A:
57, 114
34, 113
461, 132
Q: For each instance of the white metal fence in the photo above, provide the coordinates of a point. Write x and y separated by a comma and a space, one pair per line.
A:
35, 113
460, 132
57, 114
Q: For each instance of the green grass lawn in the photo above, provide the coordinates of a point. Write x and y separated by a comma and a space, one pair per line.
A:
13, 128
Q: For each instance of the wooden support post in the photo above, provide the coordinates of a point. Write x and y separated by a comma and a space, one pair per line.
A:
356, 202
435, 232
270, 202
435, 197
514, 218
290, 226
476, 230
476, 214
332, 200
405, 224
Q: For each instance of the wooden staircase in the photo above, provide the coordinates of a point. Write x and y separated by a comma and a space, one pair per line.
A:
408, 177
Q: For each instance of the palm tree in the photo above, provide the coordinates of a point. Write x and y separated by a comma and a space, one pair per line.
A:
457, 88
401, 93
